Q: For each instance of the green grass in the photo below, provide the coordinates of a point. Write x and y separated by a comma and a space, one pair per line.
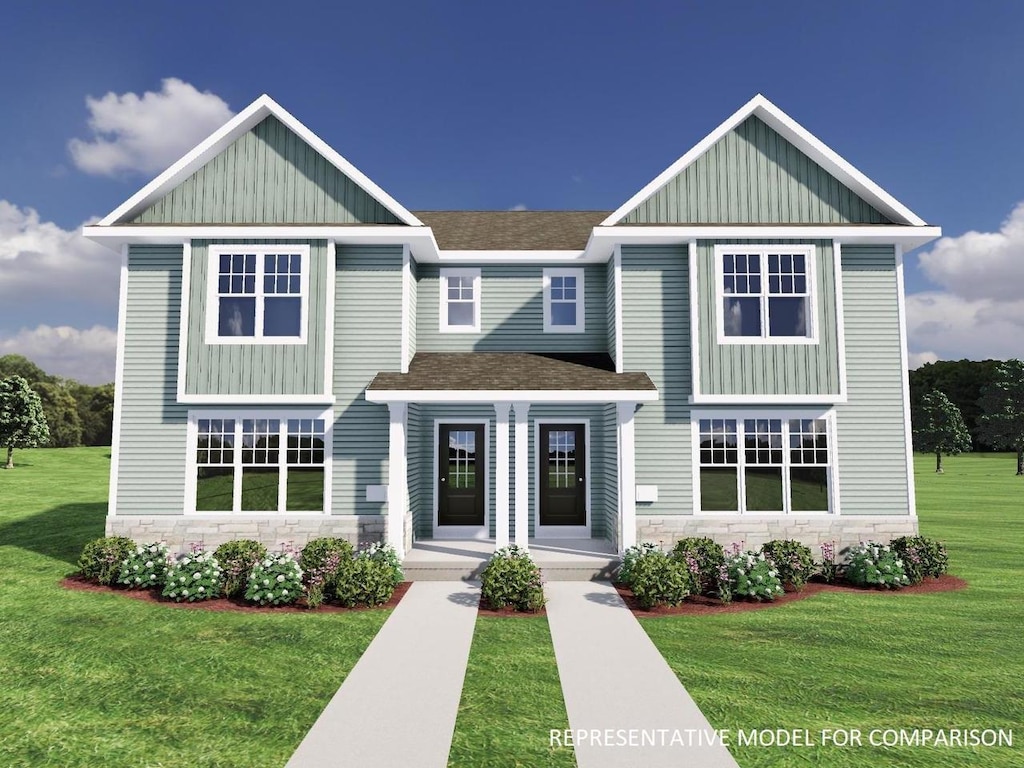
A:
511, 698
94, 679
867, 661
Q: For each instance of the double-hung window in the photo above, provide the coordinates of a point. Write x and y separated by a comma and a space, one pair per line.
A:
258, 294
752, 463
765, 294
460, 301
563, 301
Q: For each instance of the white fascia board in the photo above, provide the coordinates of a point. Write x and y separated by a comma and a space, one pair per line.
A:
251, 400
497, 396
220, 139
796, 134
766, 400
516, 257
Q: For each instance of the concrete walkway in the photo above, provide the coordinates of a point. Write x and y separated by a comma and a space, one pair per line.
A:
613, 677
398, 705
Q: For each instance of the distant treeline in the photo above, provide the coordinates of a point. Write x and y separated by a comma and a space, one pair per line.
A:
77, 414
961, 381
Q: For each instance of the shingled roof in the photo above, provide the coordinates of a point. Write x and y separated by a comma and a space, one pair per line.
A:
510, 371
512, 230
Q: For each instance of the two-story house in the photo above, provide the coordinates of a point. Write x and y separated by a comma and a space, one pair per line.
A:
299, 355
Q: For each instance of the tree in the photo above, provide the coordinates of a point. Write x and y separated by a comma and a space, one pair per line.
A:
95, 411
961, 381
941, 428
61, 413
1002, 405
22, 422
19, 365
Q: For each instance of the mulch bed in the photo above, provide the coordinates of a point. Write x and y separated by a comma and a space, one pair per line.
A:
509, 612
232, 605
699, 605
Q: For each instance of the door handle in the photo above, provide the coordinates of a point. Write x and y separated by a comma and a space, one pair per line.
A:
444, 479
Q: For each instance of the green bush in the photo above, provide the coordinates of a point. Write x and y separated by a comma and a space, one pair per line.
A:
192, 577
629, 559
275, 580
511, 578
363, 580
386, 555
703, 557
145, 567
320, 560
792, 560
875, 565
752, 575
101, 559
921, 557
237, 559
658, 579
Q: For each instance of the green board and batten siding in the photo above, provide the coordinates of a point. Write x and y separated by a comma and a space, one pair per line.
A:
151, 454
762, 369
871, 437
752, 175
367, 339
267, 176
609, 307
511, 313
257, 369
656, 339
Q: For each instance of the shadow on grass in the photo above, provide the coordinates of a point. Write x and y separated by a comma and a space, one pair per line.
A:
59, 533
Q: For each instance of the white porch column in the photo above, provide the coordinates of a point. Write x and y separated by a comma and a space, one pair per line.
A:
398, 487
627, 475
522, 411
501, 475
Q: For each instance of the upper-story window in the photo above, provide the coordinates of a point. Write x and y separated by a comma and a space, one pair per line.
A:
765, 294
258, 294
563, 301
460, 301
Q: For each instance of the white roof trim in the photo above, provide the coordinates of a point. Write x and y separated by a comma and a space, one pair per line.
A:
803, 140
220, 139
510, 396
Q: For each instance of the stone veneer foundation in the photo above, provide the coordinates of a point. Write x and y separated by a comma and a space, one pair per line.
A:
752, 532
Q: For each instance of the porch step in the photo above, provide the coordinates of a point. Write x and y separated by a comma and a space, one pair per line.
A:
569, 560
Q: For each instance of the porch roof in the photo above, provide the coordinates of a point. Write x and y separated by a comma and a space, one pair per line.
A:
511, 376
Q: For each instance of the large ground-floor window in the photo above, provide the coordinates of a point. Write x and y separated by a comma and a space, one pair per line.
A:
260, 462
764, 464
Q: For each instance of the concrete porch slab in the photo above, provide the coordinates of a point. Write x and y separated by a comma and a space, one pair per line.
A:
558, 559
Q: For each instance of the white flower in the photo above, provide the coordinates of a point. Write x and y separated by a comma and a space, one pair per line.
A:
182, 580
280, 577
284, 592
184, 592
197, 576
202, 589
266, 582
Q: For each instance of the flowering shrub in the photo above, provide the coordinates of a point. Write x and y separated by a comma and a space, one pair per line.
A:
724, 584
629, 560
703, 557
387, 557
792, 560
829, 568
658, 579
921, 557
511, 578
753, 575
145, 567
194, 576
275, 580
320, 560
237, 559
875, 565
101, 559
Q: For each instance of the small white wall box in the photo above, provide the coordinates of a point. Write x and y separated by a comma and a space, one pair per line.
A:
376, 493
646, 494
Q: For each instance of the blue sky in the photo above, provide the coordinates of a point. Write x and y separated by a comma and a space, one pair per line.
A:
543, 105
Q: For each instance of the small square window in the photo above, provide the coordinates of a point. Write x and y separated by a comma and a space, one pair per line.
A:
563, 300
460, 301
259, 295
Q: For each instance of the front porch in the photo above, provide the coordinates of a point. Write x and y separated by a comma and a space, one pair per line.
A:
464, 560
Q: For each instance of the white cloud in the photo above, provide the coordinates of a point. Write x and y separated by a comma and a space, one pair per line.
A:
916, 359
979, 313
146, 133
519, 207
83, 354
40, 262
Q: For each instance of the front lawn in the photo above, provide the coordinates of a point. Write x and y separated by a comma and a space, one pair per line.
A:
842, 660
93, 679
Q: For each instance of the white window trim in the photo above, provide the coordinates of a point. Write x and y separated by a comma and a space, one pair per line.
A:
463, 531
560, 531
739, 414
810, 252
212, 294
192, 465
581, 313
443, 326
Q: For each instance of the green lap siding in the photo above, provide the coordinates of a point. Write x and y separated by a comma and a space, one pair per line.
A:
151, 452
511, 313
656, 339
871, 438
609, 308
753, 175
609, 468
267, 176
367, 339
762, 369
257, 369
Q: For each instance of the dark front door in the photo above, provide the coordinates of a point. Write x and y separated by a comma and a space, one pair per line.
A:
460, 484
563, 486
